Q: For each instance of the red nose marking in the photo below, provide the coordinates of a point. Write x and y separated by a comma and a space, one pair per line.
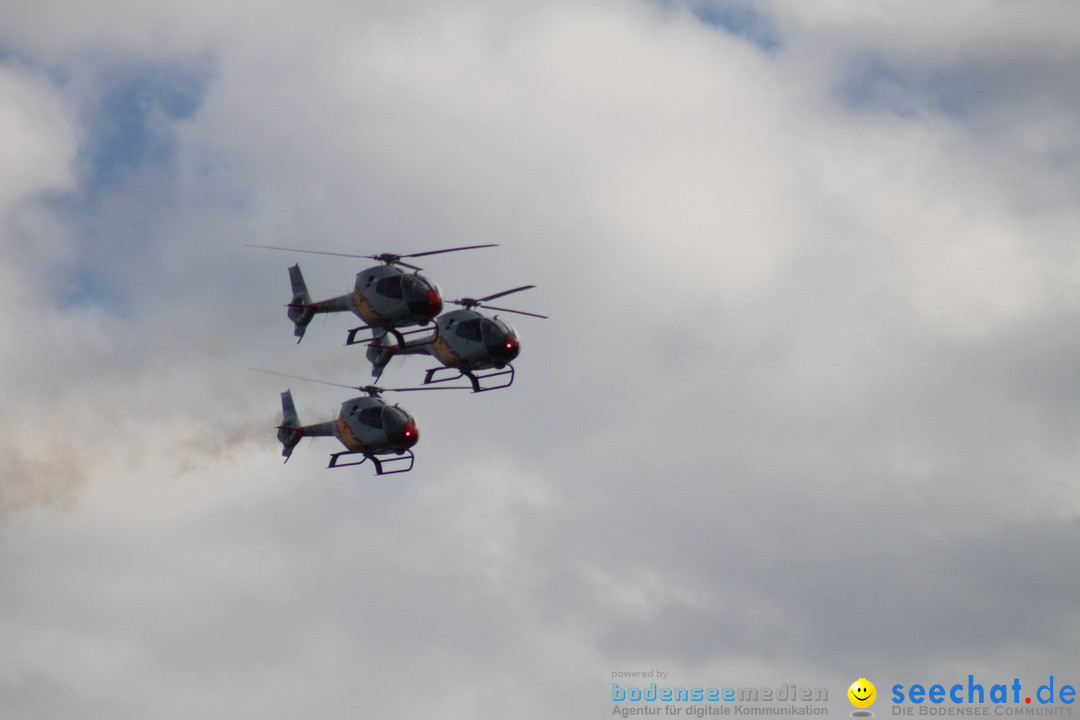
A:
434, 302
412, 434
513, 347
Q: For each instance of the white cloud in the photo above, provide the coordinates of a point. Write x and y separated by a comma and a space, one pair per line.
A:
807, 318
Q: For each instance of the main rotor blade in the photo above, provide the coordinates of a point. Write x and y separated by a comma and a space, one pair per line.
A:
505, 292
519, 312
299, 377
396, 258
417, 389
436, 252
400, 262
311, 252
361, 388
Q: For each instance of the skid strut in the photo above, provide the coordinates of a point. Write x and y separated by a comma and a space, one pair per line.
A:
398, 335
476, 380
380, 464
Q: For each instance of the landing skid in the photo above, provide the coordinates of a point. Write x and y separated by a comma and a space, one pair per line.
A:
398, 335
380, 465
475, 379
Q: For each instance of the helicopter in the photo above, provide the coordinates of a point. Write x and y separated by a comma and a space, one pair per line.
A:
465, 341
385, 296
367, 426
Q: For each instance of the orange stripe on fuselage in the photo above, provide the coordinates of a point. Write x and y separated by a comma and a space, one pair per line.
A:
444, 353
364, 309
349, 438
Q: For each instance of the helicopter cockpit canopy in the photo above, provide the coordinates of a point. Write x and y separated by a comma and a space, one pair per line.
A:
499, 339
420, 294
399, 426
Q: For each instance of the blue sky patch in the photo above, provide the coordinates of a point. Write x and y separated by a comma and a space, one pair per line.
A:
735, 18
741, 20
876, 85
132, 126
127, 163
85, 287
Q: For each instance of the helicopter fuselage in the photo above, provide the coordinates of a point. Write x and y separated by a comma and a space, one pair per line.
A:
464, 341
386, 296
468, 340
370, 425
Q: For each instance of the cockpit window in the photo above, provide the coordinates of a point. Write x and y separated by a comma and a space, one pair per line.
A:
414, 288
394, 417
389, 286
372, 416
499, 340
400, 427
493, 331
469, 330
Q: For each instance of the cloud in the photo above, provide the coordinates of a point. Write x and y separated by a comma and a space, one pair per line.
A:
802, 403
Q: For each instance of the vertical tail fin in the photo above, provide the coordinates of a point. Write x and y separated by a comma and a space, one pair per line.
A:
290, 430
300, 310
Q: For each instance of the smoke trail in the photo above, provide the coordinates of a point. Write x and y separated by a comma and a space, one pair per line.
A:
220, 442
44, 476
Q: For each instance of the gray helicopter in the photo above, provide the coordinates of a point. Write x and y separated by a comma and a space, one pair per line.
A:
368, 427
467, 343
385, 297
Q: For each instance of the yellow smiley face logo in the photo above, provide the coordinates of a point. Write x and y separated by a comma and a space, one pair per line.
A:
862, 693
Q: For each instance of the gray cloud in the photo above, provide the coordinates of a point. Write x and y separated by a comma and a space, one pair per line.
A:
803, 407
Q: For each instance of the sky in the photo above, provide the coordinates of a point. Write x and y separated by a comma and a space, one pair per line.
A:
805, 409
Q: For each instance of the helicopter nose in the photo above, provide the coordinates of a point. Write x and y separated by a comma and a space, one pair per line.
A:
509, 349
434, 304
425, 303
